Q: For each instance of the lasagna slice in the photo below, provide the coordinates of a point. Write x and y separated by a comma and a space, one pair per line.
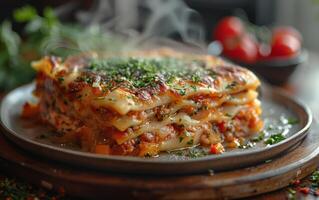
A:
142, 103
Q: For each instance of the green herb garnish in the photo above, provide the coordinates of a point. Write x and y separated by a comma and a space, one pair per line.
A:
196, 78
258, 138
197, 152
190, 142
194, 88
291, 193
194, 152
314, 178
145, 72
60, 79
231, 85
275, 139
182, 92
292, 121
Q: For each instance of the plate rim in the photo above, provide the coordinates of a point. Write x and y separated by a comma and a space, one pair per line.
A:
300, 133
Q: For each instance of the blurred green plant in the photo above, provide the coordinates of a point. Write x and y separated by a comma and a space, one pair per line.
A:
44, 35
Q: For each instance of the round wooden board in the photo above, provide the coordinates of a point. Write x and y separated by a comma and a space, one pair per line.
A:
266, 177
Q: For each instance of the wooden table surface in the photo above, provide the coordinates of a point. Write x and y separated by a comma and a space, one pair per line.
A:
304, 85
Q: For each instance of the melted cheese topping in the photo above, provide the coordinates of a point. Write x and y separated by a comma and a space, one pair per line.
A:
123, 100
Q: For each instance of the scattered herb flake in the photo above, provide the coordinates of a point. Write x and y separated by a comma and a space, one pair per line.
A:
196, 78
315, 177
145, 72
292, 121
194, 88
193, 152
258, 138
275, 139
61, 79
196, 152
291, 194
190, 142
231, 85
182, 92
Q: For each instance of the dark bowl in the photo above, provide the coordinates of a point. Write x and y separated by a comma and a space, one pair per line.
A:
276, 71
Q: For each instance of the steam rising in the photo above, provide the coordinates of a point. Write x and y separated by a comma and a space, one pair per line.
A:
133, 22
169, 17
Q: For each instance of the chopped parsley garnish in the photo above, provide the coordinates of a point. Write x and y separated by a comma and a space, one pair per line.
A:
292, 121
182, 92
194, 152
258, 138
196, 78
181, 139
197, 152
194, 88
231, 85
275, 139
61, 79
143, 72
190, 142
314, 178
87, 79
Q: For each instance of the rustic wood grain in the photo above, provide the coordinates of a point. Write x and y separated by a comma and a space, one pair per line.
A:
265, 177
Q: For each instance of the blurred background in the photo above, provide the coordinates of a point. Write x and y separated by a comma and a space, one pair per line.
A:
31, 29
304, 15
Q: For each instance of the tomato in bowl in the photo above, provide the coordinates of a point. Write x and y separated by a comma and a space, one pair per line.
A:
273, 54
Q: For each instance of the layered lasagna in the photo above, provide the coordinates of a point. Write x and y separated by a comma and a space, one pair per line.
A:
145, 102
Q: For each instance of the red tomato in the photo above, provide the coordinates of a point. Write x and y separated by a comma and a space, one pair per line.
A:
118, 135
285, 46
304, 190
222, 127
286, 42
286, 30
228, 27
96, 91
242, 49
216, 148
